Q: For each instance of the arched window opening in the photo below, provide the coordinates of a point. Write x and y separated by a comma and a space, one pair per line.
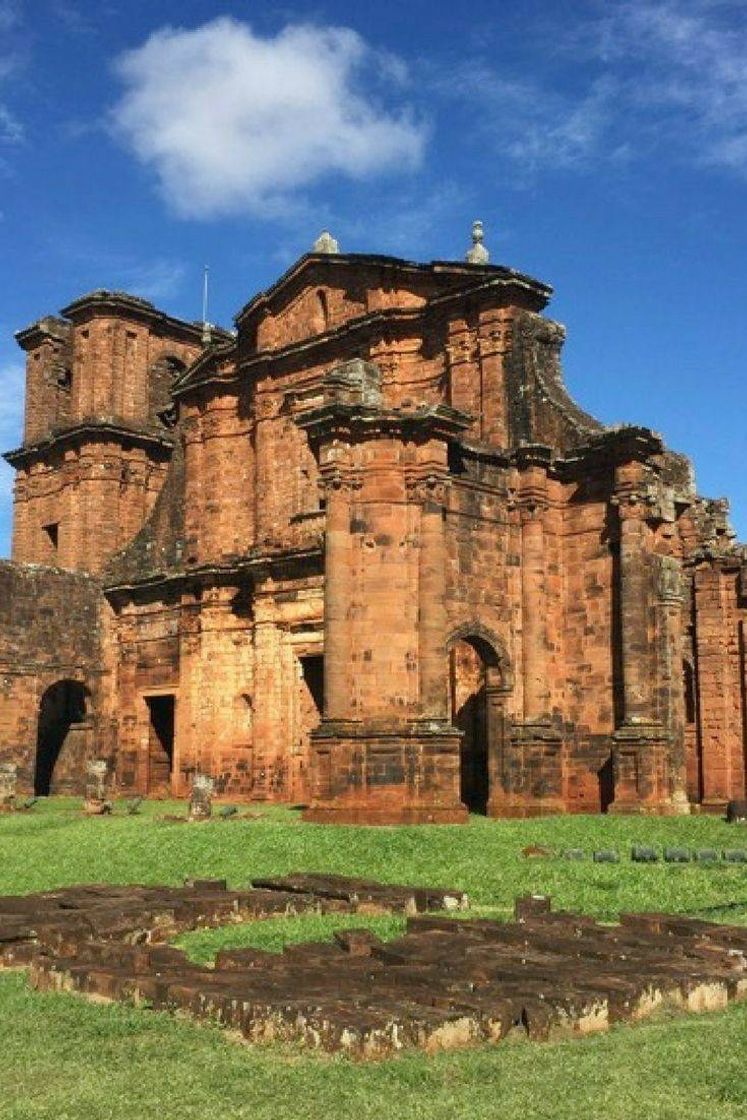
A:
322, 310
480, 680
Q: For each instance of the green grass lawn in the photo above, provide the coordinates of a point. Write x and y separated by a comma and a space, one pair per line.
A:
64, 1058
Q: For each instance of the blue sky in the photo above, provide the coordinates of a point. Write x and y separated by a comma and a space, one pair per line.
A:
603, 144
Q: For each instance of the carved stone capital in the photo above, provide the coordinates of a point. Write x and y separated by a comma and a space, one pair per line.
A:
426, 488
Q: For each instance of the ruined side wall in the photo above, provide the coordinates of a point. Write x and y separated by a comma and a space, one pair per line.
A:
48, 382
95, 496
590, 632
232, 660
483, 574
50, 631
720, 629
113, 362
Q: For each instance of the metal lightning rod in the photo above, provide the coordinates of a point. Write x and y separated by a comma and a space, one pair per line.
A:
206, 333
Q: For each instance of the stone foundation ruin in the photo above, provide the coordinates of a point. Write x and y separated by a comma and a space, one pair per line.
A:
445, 983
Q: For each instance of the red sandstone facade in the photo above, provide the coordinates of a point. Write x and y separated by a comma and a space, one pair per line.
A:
365, 555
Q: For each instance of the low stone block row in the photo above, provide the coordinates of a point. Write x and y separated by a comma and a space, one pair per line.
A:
443, 984
60, 922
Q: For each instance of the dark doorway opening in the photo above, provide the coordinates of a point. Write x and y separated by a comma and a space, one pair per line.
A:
469, 713
61, 711
606, 775
693, 739
162, 711
312, 668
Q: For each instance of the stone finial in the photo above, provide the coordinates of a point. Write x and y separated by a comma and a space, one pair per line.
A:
478, 254
326, 243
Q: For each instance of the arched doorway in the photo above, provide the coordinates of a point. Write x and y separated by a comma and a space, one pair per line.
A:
62, 739
478, 682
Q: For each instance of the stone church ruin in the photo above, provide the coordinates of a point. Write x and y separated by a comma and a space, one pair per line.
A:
364, 554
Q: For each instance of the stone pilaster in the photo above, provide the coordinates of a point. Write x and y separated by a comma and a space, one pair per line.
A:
338, 595
641, 744
432, 656
531, 783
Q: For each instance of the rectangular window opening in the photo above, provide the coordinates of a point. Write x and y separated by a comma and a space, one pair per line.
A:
52, 532
312, 668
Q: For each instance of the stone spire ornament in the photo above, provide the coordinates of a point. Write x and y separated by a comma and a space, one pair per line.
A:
325, 243
478, 254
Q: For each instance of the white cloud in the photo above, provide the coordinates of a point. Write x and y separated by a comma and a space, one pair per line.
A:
646, 76
231, 121
11, 129
10, 14
690, 80
156, 280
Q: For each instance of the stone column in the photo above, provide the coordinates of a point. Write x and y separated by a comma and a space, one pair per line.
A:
532, 781
432, 618
669, 646
634, 637
641, 743
338, 592
532, 497
534, 614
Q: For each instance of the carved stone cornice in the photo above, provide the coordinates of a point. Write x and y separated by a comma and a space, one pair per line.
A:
90, 431
359, 424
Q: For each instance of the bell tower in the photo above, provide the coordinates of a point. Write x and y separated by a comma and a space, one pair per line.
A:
97, 441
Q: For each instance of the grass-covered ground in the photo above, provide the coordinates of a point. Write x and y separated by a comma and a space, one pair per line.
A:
61, 1057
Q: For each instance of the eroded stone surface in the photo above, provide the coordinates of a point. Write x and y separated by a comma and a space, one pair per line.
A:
443, 984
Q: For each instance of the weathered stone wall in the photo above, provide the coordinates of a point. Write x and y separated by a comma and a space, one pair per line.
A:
50, 632
720, 598
237, 667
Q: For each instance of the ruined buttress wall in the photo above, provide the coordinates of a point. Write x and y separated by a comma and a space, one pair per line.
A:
50, 631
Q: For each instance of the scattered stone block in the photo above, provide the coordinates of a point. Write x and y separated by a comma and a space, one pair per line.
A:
201, 798
606, 855
97, 801
531, 906
536, 851
706, 855
639, 853
676, 855
8, 786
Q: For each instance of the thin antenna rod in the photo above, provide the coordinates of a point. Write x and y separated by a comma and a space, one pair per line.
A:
206, 334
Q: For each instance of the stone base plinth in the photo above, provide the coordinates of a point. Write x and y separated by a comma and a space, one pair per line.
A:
386, 775
712, 806
527, 780
642, 763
